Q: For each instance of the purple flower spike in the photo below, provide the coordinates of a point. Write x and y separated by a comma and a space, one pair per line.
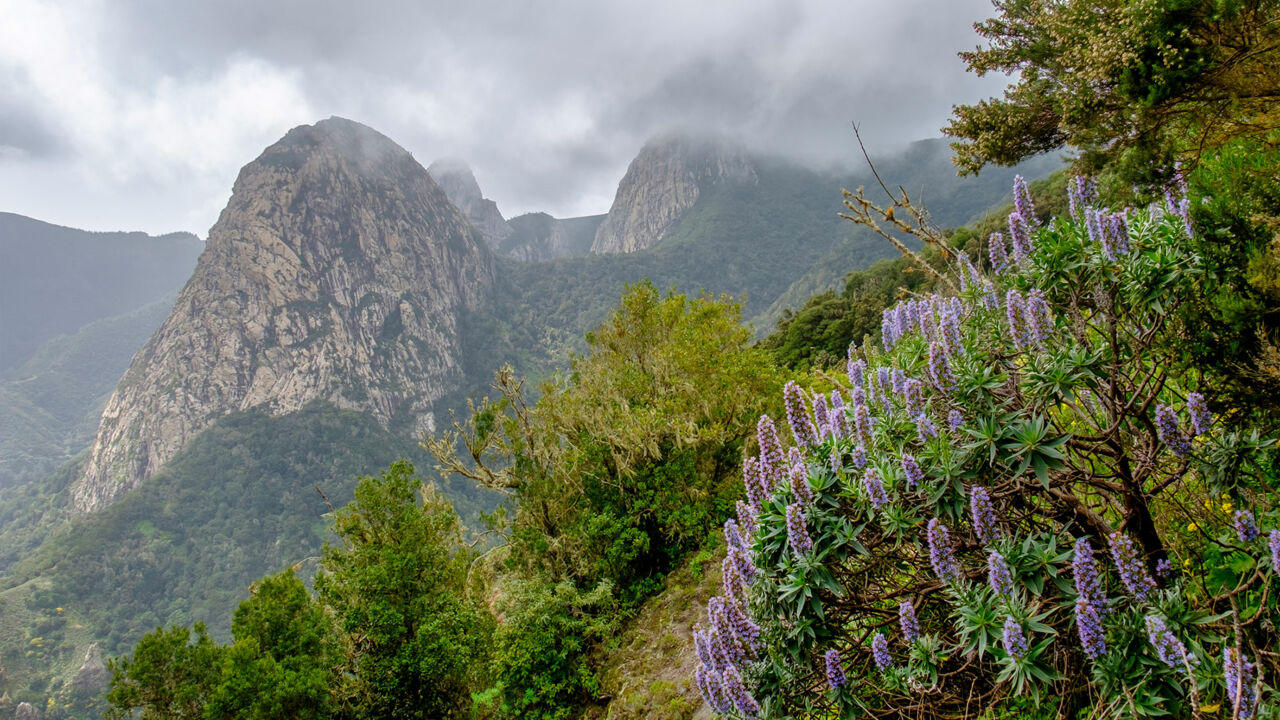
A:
748, 521
1273, 540
857, 369
912, 396
1093, 225
1170, 432
1019, 236
875, 489
702, 644
998, 575
757, 492
798, 415
1016, 312
985, 524
925, 429
940, 368
712, 689
821, 416
907, 621
835, 671
1238, 672
1079, 196
940, 554
1022, 199
1201, 418
770, 454
1015, 640
1168, 647
1246, 526
999, 256
955, 420
800, 490
735, 586
862, 423
797, 531
1132, 569
1164, 569
1093, 639
899, 381
859, 457
1038, 318
736, 691
880, 651
911, 469
1113, 234
1084, 569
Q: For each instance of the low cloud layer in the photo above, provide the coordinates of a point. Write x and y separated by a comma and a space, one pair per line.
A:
137, 114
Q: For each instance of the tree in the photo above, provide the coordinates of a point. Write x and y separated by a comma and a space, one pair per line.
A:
1147, 82
169, 676
624, 464
415, 644
284, 659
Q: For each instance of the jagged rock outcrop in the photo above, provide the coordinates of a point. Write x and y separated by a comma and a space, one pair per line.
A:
661, 183
459, 183
25, 711
335, 273
93, 676
538, 236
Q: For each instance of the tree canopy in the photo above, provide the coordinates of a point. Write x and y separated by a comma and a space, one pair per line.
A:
1144, 81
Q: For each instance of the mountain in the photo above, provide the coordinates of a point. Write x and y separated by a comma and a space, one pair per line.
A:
51, 404
335, 274
55, 280
663, 182
454, 176
342, 302
538, 236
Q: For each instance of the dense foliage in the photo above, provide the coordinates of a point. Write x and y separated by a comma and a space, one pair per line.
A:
389, 634
1022, 492
1123, 82
620, 469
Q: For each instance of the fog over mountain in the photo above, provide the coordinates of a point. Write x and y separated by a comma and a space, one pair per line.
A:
138, 113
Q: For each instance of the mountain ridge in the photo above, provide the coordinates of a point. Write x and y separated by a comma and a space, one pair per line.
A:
334, 273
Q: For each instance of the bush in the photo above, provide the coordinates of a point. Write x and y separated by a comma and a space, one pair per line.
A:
1022, 496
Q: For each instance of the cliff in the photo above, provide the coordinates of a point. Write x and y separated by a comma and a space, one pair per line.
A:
459, 184
336, 273
663, 181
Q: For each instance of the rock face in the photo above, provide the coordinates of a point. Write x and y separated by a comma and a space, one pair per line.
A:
456, 179
538, 236
93, 675
26, 712
662, 182
335, 273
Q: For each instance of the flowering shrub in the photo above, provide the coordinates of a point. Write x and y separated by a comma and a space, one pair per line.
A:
1019, 493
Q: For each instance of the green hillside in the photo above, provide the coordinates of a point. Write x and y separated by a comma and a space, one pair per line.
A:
99, 275
246, 498
50, 404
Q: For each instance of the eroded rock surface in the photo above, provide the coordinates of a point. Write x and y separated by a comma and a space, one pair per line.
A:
335, 273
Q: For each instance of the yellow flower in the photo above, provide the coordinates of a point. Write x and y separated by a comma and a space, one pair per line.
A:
1192, 527
1226, 507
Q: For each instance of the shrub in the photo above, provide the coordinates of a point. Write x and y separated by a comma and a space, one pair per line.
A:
1020, 495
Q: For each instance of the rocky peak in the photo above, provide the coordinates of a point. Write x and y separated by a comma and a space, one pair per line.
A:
662, 182
93, 676
335, 273
454, 176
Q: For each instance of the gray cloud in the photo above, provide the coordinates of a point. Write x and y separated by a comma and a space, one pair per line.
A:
140, 114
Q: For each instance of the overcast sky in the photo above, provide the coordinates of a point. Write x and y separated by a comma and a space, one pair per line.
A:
137, 114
